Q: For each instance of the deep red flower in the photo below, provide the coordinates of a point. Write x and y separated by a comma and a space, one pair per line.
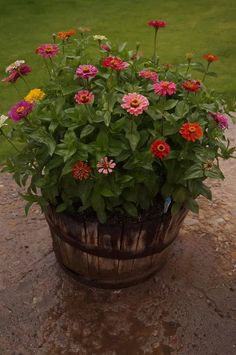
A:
160, 149
157, 23
115, 63
191, 131
210, 57
192, 85
81, 171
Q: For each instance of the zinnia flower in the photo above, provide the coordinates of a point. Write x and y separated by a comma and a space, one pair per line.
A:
47, 50
191, 131
20, 110
210, 57
160, 149
135, 103
157, 23
81, 171
192, 85
35, 95
163, 88
14, 65
15, 74
66, 34
99, 38
105, 47
221, 119
189, 56
114, 63
148, 74
84, 29
86, 71
105, 166
84, 97
3, 119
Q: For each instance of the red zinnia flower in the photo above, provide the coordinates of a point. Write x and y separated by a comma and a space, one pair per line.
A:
210, 57
160, 149
191, 131
192, 85
81, 171
114, 63
157, 23
84, 97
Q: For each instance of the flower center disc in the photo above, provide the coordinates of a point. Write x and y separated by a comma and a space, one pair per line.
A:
135, 103
160, 148
86, 69
48, 49
20, 109
84, 98
192, 129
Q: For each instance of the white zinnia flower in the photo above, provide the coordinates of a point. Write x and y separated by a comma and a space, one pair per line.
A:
14, 65
3, 119
99, 38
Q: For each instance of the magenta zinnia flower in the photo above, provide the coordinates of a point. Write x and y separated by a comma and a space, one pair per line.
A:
47, 50
105, 166
86, 71
15, 74
135, 103
148, 74
221, 119
84, 97
163, 88
20, 110
157, 23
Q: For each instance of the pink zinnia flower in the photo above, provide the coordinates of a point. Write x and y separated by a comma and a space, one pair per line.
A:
163, 88
86, 71
15, 74
105, 47
84, 97
221, 119
47, 50
148, 74
135, 103
157, 23
20, 110
105, 166
114, 63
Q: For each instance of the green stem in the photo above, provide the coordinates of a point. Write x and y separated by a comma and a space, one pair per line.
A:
53, 68
187, 68
18, 92
25, 81
204, 76
48, 69
155, 47
9, 141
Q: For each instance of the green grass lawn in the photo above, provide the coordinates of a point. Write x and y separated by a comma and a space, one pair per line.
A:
201, 26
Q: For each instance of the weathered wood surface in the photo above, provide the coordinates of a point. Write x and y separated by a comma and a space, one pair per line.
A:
113, 255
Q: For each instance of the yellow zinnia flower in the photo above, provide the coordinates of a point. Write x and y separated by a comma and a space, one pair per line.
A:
35, 95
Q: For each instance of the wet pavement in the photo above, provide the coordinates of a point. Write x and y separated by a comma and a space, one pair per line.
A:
188, 308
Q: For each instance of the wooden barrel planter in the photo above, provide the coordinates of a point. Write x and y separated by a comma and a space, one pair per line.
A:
116, 254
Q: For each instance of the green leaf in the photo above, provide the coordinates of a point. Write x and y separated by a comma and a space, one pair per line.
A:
170, 104
42, 136
195, 171
133, 139
214, 173
181, 109
192, 205
86, 130
107, 118
131, 209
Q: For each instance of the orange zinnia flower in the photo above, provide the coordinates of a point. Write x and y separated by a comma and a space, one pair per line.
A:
192, 85
81, 171
66, 34
191, 131
210, 57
